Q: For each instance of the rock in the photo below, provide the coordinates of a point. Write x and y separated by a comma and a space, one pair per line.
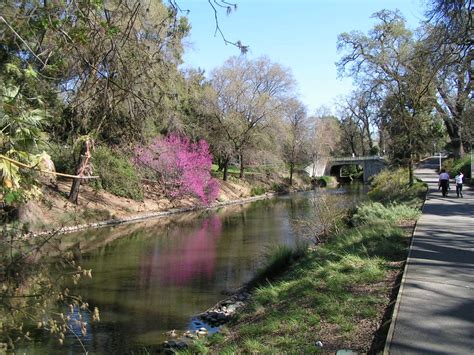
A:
231, 308
172, 333
201, 333
181, 345
221, 316
169, 344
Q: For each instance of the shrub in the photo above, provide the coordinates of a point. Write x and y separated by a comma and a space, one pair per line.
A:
454, 166
63, 157
257, 190
278, 187
117, 174
326, 217
394, 186
181, 167
322, 181
375, 211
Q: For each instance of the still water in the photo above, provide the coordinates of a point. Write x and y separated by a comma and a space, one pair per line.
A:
152, 277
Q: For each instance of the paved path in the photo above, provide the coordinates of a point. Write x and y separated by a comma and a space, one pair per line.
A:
435, 307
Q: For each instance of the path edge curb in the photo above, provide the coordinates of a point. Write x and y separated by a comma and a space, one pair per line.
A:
393, 320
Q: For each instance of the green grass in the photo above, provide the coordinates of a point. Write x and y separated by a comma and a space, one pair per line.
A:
234, 170
371, 212
257, 190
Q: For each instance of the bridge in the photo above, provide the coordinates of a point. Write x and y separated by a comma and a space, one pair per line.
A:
371, 165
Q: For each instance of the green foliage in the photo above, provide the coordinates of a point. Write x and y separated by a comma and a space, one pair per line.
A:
63, 156
454, 166
23, 118
257, 190
278, 187
372, 212
32, 290
394, 186
375, 150
351, 171
323, 181
117, 174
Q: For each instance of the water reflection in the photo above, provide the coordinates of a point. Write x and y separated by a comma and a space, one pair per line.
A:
190, 256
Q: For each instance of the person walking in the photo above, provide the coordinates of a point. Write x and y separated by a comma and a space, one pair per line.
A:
459, 181
443, 182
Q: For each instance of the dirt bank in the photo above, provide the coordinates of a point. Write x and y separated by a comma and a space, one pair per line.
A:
95, 208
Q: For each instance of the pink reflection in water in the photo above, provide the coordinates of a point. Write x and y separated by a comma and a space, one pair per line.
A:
185, 257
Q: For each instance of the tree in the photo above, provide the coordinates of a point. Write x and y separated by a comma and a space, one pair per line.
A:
296, 126
453, 87
181, 167
454, 20
351, 143
246, 94
114, 63
324, 139
362, 105
449, 34
390, 57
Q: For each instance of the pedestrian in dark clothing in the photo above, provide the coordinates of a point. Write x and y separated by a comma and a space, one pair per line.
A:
443, 182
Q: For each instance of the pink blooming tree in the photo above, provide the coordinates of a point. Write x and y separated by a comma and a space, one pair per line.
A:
181, 167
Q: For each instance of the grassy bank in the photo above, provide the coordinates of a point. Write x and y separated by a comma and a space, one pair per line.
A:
337, 294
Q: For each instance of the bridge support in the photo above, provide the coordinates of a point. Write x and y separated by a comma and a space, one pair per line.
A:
372, 168
371, 165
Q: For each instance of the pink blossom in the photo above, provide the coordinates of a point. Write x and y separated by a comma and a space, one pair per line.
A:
181, 167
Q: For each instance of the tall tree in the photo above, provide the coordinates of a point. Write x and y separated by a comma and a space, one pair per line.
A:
390, 56
449, 35
114, 62
296, 127
247, 93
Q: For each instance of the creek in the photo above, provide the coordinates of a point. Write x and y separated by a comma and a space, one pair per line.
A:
155, 276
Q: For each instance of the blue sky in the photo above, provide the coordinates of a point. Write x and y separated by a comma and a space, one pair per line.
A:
298, 34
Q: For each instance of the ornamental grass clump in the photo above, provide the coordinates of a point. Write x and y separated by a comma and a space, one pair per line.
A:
181, 168
373, 212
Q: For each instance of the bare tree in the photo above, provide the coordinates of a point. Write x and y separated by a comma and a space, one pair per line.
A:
296, 137
247, 93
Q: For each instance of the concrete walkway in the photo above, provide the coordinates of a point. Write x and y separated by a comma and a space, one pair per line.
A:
435, 307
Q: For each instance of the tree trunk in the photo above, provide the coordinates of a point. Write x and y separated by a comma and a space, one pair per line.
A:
411, 179
241, 174
225, 168
80, 169
292, 167
456, 144
220, 164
